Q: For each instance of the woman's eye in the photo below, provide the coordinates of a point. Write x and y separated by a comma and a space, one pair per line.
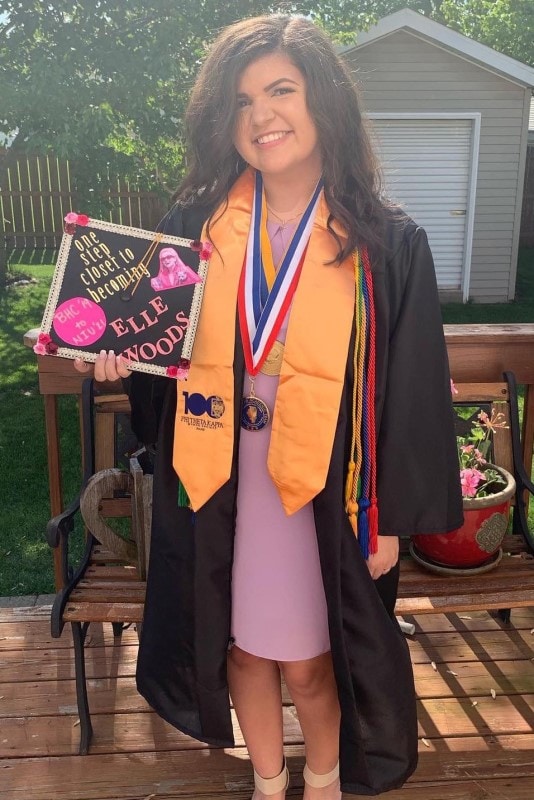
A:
242, 102
283, 90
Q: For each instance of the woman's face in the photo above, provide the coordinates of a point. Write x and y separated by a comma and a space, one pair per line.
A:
274, 131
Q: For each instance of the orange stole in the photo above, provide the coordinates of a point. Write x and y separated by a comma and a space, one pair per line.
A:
311, 378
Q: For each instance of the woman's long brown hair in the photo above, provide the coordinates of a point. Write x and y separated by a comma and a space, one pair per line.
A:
352, 183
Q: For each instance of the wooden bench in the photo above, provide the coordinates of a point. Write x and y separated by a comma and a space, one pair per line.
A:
110, 587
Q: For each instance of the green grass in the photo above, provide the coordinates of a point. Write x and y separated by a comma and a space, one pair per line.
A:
520, 310
25, 558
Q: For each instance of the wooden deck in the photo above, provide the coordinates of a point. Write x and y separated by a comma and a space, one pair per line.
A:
475, 681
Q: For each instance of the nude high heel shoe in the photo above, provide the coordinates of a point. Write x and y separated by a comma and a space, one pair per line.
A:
269, 786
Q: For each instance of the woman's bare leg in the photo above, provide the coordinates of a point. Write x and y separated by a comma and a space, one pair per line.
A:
312, 687
256, 694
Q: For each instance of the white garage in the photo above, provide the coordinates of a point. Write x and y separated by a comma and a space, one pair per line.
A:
450, 119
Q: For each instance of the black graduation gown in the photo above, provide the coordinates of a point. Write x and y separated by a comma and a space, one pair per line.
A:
182, 657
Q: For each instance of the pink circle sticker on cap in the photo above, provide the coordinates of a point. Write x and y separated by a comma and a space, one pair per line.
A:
79, 322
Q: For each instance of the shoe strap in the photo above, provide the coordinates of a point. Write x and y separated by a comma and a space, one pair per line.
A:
272, 785
320, 781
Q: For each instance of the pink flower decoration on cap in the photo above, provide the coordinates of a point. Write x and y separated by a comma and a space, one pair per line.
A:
181, 371
207, 250
72, 218
45, 345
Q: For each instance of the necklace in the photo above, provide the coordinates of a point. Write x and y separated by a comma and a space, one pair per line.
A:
284, 222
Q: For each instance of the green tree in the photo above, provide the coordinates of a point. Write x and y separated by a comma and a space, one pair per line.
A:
505, 25
104, 83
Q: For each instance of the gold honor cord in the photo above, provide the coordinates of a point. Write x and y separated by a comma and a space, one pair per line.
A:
355, 463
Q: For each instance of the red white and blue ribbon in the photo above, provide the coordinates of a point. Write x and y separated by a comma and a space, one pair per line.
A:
261, 312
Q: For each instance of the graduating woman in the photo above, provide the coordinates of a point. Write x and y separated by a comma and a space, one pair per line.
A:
297, 453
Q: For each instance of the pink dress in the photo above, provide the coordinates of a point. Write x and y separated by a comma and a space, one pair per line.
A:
278, 601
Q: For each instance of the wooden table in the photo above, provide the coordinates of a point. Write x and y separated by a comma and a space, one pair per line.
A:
477, 353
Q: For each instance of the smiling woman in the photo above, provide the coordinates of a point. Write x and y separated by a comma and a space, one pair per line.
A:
290, 451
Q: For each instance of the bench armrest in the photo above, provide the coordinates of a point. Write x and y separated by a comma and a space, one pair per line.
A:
63, 524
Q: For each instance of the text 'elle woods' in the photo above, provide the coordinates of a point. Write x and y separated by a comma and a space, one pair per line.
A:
136, 325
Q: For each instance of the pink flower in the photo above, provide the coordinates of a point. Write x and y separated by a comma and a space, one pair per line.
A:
69, 228
72, 218
44, 338
467, 448
51, 348
207, 250
454, 390
40, 349
196, 245
470, 478
182, 373
479, 457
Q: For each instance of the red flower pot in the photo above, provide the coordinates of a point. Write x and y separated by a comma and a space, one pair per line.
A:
478, 541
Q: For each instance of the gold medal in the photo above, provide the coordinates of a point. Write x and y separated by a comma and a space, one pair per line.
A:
255, 414
273, 362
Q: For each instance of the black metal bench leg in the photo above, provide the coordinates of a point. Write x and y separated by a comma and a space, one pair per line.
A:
118, 628
86, 729
505, 614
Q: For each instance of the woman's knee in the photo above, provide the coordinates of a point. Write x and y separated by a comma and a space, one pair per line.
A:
307, 678
242, 660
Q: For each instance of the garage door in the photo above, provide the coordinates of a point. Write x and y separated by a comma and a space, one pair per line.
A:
427, 171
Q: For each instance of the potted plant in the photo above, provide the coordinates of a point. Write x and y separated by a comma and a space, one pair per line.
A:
487, 492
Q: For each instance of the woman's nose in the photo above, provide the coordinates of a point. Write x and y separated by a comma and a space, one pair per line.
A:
261, 111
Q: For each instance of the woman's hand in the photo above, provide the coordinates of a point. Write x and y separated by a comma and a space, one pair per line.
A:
108, 366
385, 558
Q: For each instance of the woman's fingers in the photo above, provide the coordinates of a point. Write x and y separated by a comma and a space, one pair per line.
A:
82, 366
108, 367
122, 367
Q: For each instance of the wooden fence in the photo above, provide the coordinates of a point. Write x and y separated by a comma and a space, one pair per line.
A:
36, 193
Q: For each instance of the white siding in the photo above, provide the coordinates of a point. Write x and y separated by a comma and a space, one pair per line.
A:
404, 73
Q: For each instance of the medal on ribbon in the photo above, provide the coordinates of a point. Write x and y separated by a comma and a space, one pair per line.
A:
265, 295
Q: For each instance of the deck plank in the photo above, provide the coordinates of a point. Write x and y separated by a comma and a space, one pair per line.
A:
117, 693
504, 765
472, 746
